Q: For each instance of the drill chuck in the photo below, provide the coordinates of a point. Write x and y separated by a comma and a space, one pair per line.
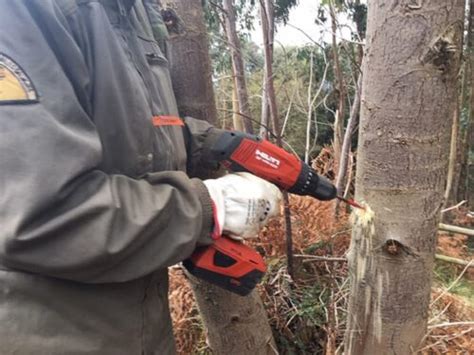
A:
309, 183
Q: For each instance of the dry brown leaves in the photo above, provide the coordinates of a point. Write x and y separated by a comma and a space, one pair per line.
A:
186, 323
463, 217
450, 329
312, 222
453, 245
324, 163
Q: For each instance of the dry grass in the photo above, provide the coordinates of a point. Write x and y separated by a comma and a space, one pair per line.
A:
187, 325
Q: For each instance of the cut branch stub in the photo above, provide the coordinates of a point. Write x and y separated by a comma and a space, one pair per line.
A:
443, 52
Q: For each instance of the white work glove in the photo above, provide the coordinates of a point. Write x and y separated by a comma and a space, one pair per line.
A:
243, 204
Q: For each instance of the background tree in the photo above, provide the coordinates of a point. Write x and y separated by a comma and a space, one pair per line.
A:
409, 89
237, 64
464, 184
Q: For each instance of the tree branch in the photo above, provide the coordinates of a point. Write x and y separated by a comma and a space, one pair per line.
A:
456, 229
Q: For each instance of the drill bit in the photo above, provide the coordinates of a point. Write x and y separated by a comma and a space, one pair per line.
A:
351, 202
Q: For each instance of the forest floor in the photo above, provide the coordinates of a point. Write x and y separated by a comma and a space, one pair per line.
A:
307, 314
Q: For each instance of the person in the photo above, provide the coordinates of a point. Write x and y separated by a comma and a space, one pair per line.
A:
98, 190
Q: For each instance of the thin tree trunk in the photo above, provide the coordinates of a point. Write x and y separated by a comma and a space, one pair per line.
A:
236, 325
309, 116
408, 91
453, 149
236, 119
354, 113
237, 63
341, 88
265, 117
466, 180
456, 154
346, 145
452, 193
270, 89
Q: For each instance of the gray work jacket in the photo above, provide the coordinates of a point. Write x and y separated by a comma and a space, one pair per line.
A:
95, 195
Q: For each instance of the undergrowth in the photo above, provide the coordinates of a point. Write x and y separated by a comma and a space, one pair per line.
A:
446, 275
308, 314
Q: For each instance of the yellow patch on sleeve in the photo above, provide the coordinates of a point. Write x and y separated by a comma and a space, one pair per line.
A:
15, 86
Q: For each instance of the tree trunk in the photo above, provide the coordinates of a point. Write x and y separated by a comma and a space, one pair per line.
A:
466, 179
265, 116
453, 150
237, 63
347, 142
354, 113
237, 121
408, 93
236, 325
189, 59
341, 90
265, 7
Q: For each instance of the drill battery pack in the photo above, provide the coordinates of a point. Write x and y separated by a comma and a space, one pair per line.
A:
228, 264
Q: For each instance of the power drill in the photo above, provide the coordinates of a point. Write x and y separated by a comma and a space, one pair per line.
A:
231, 264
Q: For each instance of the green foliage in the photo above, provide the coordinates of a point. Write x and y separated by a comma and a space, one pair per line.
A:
291, 77
311, 249
356, 11
291, 73
282, 9
359, 16
446, 274
246, 12
339, 5
300, 307
313, 312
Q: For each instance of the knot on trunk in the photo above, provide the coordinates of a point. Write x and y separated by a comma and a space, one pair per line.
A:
393, 247
443, 52
174, 24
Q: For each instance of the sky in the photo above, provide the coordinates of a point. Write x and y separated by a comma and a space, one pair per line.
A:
303, 17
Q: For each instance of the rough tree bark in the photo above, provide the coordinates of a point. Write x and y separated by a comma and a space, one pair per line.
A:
189, 59
235, 325
237, 63
408, 92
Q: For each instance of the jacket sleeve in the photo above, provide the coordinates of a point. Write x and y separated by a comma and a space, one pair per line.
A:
61, 215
